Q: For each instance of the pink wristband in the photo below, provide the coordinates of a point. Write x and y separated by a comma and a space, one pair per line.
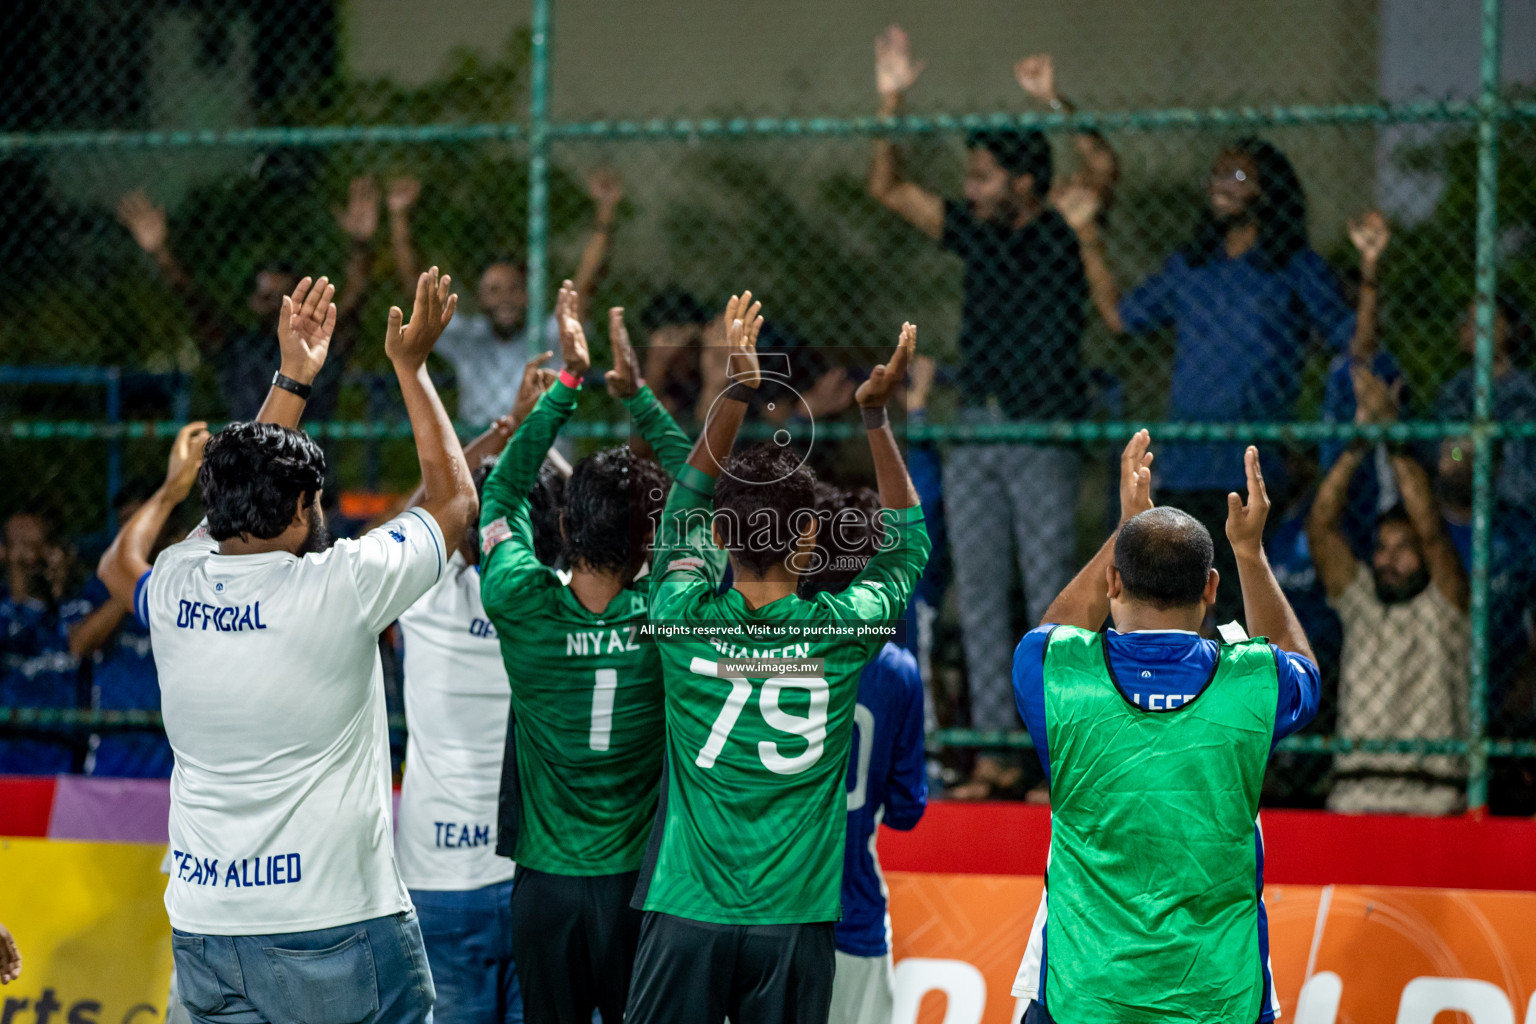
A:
570, 380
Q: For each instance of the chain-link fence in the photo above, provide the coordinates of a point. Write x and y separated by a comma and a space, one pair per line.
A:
1176, 249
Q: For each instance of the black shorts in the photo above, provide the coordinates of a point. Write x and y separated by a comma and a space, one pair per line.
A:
573, 939
691, 972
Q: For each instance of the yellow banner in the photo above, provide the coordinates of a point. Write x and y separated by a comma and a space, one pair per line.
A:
90, 921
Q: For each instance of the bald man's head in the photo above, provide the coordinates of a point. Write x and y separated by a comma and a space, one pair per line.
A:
1164, 558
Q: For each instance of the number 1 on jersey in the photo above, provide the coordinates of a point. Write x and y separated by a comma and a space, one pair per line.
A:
603, 692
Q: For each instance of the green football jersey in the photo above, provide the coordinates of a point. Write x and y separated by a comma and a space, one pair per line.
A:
755, 812
586, 691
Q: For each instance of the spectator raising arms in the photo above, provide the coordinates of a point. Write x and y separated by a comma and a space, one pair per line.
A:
1405, 633
1021, 330
1243, 295
489, 350
239, 352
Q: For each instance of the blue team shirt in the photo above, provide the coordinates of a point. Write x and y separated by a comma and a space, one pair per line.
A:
123, 677
37, 670
1161, 670
1243, 327
887, 783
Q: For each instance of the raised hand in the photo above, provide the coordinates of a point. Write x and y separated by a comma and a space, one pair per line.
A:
885, 379
1135, 476
895, 71
1375, 400
537, 379
830, 395
1036, 75
144, 220
360, 217
624, 379
408, 345
304, 329
606, 189
573, 340
1370, 233
742, 324
402, 194
1245, 523
185, 460
1078, 204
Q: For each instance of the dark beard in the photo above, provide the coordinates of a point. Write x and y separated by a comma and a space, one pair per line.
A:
319, 537
1406, 591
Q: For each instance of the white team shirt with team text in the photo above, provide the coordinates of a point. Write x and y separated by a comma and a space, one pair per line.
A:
273, 697
456, 703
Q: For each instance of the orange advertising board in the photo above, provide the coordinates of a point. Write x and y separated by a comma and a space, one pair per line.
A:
1341, 954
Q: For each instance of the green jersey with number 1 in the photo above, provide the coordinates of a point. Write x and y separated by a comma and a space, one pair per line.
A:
755, 808
586, 691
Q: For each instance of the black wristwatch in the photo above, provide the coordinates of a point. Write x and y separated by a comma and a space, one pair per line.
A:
289, 384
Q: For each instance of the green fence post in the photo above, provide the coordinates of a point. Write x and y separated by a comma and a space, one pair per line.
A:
538, 177
1488, 114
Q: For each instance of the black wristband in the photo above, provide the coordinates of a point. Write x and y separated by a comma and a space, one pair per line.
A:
874, 416
289, 384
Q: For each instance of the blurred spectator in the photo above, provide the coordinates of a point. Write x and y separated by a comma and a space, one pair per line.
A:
39, 662
1404, 671
1514, 396
489, 349
241, 353
674, 323
924, 467
1511, 584
1371, 490
1021, 329
122, 674
1243, 296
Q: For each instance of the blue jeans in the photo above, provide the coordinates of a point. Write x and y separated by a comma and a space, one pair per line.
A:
468, 935
371, 972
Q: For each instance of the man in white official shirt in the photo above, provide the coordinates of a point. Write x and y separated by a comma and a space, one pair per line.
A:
284, 897
456, 705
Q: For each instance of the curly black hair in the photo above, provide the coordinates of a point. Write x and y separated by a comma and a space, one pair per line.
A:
253, 476
612, 503
1018, 151
1280, 210
761, 504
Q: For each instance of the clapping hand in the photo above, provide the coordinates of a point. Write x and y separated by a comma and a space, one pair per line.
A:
886, 378
360, 217
624, 379
1370, 233
408, 345
895, 71
186, 459
1036, 75
304, 329
573, 340
1245, 523
144, 220
1135, 477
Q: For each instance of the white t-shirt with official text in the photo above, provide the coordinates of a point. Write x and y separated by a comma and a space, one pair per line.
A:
273, 697
456, 704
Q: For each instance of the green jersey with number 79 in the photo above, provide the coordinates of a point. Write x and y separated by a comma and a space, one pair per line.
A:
754, 812
580, 788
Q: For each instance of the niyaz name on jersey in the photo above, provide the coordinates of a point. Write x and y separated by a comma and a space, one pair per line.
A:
235, 618
600, 641
452, 835
274, 869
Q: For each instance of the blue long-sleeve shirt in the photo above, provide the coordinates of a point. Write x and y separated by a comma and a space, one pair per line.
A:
887, 783
1242, 330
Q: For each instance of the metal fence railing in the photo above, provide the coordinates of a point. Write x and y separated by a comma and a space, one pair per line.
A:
314, 169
